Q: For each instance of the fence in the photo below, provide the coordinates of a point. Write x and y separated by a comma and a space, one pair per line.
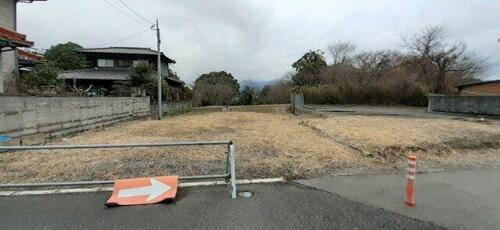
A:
229, 176
31, 120
172, 108
484, 105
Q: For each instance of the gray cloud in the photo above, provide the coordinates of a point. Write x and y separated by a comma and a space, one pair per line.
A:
260, 39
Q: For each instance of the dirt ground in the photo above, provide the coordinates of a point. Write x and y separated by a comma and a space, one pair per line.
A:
269, 141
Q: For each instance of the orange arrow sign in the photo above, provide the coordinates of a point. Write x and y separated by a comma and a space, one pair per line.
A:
146, 190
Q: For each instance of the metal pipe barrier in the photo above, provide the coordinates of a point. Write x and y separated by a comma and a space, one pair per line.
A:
230, 175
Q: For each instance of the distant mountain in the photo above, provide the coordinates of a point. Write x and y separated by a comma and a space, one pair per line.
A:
256, 84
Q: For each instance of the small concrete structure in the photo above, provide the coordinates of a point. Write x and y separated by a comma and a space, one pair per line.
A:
32, 120
483, 105
296, 102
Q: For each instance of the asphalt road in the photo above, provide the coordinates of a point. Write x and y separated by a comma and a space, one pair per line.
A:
456, 200
274, 206
416, 112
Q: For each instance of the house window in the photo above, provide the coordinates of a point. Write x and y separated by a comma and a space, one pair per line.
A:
137, 62
123, 63
105, 63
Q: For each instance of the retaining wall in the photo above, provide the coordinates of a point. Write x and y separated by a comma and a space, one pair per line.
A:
31, 120
484, 105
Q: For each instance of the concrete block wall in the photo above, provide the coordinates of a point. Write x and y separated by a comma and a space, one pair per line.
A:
34, 119
483, 105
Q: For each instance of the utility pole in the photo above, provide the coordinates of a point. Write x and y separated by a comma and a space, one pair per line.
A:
158, 69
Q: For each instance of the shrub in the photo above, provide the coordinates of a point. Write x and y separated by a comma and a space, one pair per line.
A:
152, 90
143, 76
246, 96
350, 94
42, 80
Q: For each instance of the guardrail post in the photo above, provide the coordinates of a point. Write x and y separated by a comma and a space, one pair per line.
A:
228, 166
232, 165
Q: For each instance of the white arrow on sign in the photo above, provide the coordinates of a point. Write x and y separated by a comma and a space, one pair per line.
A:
156, 189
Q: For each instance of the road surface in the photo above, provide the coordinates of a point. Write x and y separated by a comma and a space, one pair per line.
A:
456, 200
273, 206
405, 111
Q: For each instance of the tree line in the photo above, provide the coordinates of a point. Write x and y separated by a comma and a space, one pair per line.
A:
427, 63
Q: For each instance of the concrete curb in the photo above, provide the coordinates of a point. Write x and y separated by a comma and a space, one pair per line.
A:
108, 189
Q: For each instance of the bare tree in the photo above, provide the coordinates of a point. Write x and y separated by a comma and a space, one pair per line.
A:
288, 76
373, 66
342, 52
438, 58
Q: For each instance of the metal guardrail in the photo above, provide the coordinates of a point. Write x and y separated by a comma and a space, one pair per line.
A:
230, 175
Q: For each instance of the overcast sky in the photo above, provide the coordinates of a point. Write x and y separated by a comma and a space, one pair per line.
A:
258, 39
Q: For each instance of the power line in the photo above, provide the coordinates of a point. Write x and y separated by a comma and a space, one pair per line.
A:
123, 39
126, 14
135, 12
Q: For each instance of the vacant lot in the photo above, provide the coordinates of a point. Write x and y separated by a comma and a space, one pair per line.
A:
269, 143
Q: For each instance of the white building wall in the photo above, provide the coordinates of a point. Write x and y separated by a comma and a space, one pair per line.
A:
8, 60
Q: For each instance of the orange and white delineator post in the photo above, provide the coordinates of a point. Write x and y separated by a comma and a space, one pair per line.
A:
410, 184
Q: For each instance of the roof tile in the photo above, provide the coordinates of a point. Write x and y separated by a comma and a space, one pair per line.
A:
124, 50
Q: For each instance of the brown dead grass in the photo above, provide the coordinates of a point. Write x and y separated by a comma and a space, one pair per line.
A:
384, 130
269, 142
390, 139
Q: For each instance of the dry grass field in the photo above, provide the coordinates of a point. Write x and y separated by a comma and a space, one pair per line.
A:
269, 143
387, 139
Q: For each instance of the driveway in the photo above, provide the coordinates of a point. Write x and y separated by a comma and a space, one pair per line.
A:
456, 200
405, 111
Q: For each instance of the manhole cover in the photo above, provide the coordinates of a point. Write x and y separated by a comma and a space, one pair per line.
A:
245, 194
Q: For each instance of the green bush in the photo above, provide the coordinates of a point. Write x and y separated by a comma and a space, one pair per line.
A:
152, 90
43, 79
66, 56
143, 76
